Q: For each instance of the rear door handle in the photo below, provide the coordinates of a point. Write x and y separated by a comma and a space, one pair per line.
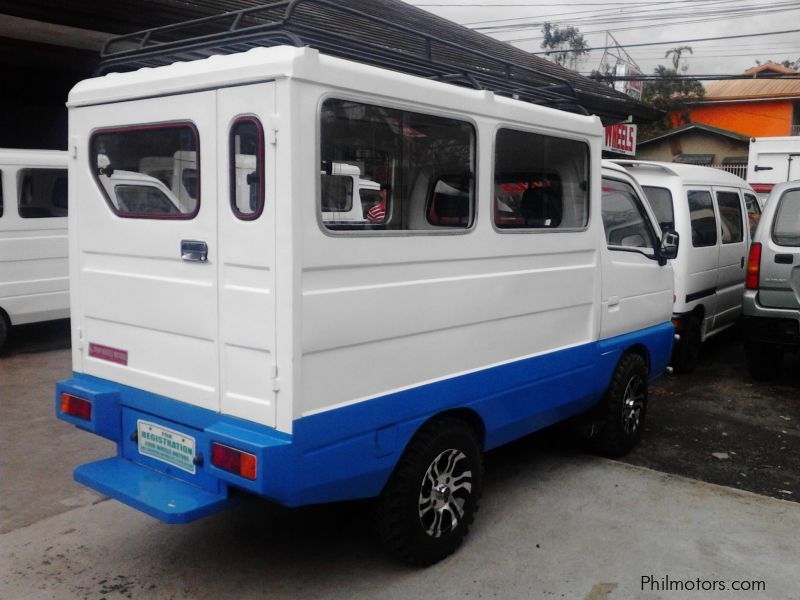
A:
194, 251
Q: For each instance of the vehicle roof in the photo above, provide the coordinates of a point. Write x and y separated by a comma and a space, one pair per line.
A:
33, 158
281, 62
688, 173
782, 187
611, 166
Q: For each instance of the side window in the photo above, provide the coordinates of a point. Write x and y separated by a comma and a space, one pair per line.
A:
730, 214
704, 222
786, 230
540, 181
393, 170
246, 164
753, 211
148, 171
660, 200
624, 219
42, 193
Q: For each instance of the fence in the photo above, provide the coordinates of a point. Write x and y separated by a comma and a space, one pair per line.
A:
737, 169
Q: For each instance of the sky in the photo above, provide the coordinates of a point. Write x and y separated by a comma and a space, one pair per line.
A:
637, 21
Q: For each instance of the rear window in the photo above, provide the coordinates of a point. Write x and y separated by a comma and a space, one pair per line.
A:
149, 171
786, 230
246, 163
704, 221
660, 200
42, 193
753, 212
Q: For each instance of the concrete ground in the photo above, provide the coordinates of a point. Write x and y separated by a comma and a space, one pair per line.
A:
555, 522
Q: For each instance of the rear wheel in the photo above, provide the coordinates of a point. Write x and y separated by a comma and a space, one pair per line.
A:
763, 360
687, 350
622, 412
427, 507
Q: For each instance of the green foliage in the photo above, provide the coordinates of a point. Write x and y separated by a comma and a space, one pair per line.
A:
791, 64
564, 38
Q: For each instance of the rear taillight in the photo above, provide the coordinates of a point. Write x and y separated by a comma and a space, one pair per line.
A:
233, 460
753, 267
76, 407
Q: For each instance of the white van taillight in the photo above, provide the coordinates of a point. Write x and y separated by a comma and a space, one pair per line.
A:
233, 460
76, 407
753, 267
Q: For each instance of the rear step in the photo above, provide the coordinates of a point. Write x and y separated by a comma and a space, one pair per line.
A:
160, 496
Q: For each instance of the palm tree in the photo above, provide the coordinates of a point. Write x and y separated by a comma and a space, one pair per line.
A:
676, 54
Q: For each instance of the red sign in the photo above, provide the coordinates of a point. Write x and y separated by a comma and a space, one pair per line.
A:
111, 354
621, 139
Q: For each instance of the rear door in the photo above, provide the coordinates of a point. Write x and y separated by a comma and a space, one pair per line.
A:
147, 238
734, 235
246, 211
702, 257
780, 258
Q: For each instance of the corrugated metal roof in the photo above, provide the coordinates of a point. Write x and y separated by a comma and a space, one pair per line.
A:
743, 89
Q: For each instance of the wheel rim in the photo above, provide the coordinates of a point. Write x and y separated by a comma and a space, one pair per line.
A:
445, 490
633, 405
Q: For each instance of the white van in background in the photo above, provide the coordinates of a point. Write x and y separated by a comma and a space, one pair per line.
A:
309, 355
34, 283
346, 197
713, 211
772, 160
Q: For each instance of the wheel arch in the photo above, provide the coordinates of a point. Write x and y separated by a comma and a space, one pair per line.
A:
639, 349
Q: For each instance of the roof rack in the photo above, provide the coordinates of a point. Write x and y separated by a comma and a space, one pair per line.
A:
348, 32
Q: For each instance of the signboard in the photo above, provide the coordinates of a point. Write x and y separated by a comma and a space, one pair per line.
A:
621, 138
632, 88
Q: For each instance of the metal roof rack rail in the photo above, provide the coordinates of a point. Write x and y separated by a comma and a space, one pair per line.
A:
345, 31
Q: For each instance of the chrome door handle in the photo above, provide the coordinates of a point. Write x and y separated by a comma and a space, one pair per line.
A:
194, 251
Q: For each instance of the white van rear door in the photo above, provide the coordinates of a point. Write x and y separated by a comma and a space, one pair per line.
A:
147, 239
246, 209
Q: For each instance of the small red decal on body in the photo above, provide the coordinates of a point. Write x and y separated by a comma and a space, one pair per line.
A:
110, 354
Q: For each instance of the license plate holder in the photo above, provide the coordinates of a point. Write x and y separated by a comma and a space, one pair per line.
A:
166, 445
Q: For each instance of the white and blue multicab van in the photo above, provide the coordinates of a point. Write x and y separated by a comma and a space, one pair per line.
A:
230, 334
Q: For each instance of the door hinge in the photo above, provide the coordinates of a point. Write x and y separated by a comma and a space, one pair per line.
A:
276, 383
80, 338
273, 137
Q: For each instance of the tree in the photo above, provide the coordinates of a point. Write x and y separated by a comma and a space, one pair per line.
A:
557, 39
791, 64
676, 55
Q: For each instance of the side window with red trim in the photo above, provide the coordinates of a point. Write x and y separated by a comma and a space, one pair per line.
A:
149, 171
246, 160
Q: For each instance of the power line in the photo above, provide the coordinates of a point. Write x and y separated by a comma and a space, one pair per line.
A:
642, 44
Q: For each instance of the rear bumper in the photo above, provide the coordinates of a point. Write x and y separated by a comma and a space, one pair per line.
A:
770, 325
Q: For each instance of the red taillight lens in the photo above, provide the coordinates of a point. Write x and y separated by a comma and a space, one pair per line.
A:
76, 407
753, 267
233, 460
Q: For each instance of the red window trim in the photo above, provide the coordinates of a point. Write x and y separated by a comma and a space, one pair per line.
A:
260, 167
170, 125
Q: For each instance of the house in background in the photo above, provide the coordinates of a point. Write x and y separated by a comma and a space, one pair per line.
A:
699, 144
767, 105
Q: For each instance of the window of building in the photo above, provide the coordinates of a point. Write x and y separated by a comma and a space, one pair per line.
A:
149, 171
730, 214
540, 181
695, 159
246, 160
660, 200
42, 193
385, 169
624, 219
703, 219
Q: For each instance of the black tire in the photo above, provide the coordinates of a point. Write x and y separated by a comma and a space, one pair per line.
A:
410, 507
687, 350
763, 360
4, 327
621, 414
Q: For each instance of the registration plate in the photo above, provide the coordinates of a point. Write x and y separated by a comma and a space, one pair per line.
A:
167, 445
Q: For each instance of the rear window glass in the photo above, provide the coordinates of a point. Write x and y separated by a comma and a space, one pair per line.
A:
540, 181
660, 200
42, 193
753, 212
150, 171
786, 230
246, 168
704, 222
384, 169
730, 213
